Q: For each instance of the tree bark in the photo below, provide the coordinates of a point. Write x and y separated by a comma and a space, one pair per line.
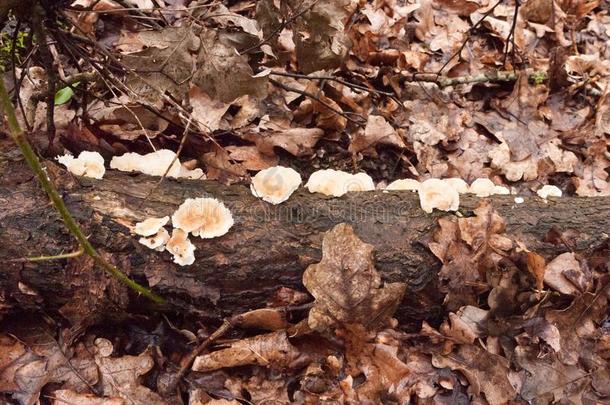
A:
268, 247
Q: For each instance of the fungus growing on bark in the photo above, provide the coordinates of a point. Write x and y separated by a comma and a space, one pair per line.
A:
156, 241
458, 184
204, 217
336, 183
549, 191
154, 164
150, 226
434, 193
501, 190
403, 184
275, 184
181, 247
87, 164
482, 187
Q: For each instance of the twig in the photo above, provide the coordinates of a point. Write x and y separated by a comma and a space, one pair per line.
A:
511, 34
334, 79
474, 27
38, 26
70, 255
21, 140
182, 143
280, 27
226, 326
316, 98
444, 81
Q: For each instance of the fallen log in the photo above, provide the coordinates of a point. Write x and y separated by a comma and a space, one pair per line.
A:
269, 246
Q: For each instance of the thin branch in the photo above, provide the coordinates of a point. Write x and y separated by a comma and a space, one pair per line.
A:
474, 27
316, 98
70, 255
21, 140
280, 27
334, 79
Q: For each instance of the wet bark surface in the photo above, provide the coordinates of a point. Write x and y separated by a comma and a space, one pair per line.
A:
268, 247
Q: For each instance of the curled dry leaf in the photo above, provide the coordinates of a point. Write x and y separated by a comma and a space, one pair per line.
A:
270, 350
485, 372
377, 131
122, 376
346, 285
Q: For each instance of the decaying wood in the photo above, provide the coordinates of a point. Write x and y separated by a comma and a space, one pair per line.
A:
268, 247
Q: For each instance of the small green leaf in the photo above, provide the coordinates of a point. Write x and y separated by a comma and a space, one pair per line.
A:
64, 95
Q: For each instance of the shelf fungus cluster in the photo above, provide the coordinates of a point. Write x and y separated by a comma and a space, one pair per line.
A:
336, 183
87, 164
202, 217
444, 194
155, 164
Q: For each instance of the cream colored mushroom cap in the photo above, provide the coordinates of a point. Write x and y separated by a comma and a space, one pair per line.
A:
275, 184
501, 190
181, 248
150, 226
129, 162
458, 184
204, 217
549, 191
156, 241
88, 164
404, 184
328, 182
156, 163
482, 187
434, 193
217, 219
358, 182
190, 215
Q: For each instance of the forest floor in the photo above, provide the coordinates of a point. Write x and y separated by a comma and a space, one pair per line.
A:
428, 89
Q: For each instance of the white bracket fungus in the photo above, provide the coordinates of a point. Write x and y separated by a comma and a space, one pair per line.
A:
482, 187
275, 184
154, 164
336, 183
87, 164
204, 217
181, 247
549, 191
403, 184
150, 226
458, 184
156, 241
434, 193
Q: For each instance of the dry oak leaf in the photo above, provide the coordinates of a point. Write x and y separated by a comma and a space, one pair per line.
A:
346, 285
121, 376
63, 397
377, 131
271, 350
485, 372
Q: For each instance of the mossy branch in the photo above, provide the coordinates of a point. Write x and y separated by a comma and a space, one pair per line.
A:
20, 139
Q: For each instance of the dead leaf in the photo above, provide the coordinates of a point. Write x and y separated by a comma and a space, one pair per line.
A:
63, 397
207, 112
485, 372
270, 350
121, 376
564, 274
346, 285
377, 131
